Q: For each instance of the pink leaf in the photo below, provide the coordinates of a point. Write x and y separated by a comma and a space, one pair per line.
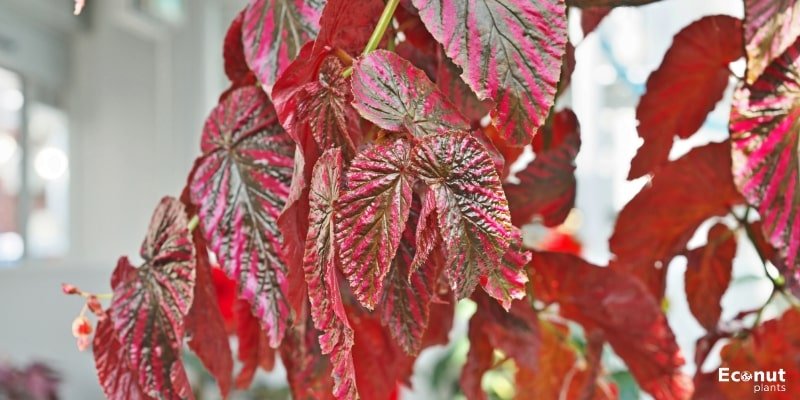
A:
240, 186
393, 94
373, 211
119, 380
507, 281
770, 28
472, 210
510, 51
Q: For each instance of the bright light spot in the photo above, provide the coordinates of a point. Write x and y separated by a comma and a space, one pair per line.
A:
738, 67
8, 146
605, 74
51, 163
11, 99
11, 247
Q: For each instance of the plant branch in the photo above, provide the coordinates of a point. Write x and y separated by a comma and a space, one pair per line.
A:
193, 223
377, 34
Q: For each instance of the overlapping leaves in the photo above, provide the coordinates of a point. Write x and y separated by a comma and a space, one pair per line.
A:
510, 52
240, 186
765, 129
147, 312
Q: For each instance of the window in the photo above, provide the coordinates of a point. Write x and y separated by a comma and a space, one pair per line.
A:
34, 176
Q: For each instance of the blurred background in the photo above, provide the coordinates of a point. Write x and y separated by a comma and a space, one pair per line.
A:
100, 116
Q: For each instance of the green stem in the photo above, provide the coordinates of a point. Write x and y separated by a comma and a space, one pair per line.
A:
383, 23
193, 223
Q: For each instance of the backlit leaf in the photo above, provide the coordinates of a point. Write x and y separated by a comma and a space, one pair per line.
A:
619, 307
546, 186
150, 303
770, 28
119, 380
319, 264
685, 88
510, 52
393, 94
651, 229
373, 210
765, 129
474, 221
240, 186
273, 31
708, 274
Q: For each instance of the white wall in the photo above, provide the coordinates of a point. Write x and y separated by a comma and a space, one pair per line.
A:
137, 99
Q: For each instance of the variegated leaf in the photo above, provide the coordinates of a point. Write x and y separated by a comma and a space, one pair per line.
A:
770, 28
150, 303
472, 210
119, 380
240, 185
373, 211
511, 52
765, 128
319, 264
273, 31
394, 94
507, 281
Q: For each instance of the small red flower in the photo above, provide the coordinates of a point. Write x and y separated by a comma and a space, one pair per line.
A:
82, 330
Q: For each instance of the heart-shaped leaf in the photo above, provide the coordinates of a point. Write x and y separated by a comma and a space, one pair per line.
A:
150, 303
373, 210
240, 186
765, 128
474, 221
685, 88
510, 52
274, 31
319, 264
394, 94
770, 28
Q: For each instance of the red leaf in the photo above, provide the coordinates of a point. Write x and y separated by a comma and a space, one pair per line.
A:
510, 52
273, 31
479, 360
592, 17
619, 307
225, 290
118, 379
406, 302
770, 28
308, 371
507, 281
150, 303
773, 346
515, 331
372, 215
254, 350
651, 230
685, 88
319, 264
347, 24
233, 52
240, 186
547, 185
458, 92
474, 221
393, 94
708, 274
764, 121
205, 325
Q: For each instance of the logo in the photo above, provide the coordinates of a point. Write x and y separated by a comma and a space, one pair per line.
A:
762, 381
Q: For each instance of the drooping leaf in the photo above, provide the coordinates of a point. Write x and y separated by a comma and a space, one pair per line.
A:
240, 186
619, 307
479, 360
472, 210
772, 346
546, 186
373, 210
393, 94
510, 52
506, 282
708, 274
651, 229
205, 326
319, 264
308, 370
150, 303
685, 88
347, 25
405, 305
765, 129
254, 350
236, 68
515, 331
273, 31
770, 28
119, 380
608, 3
